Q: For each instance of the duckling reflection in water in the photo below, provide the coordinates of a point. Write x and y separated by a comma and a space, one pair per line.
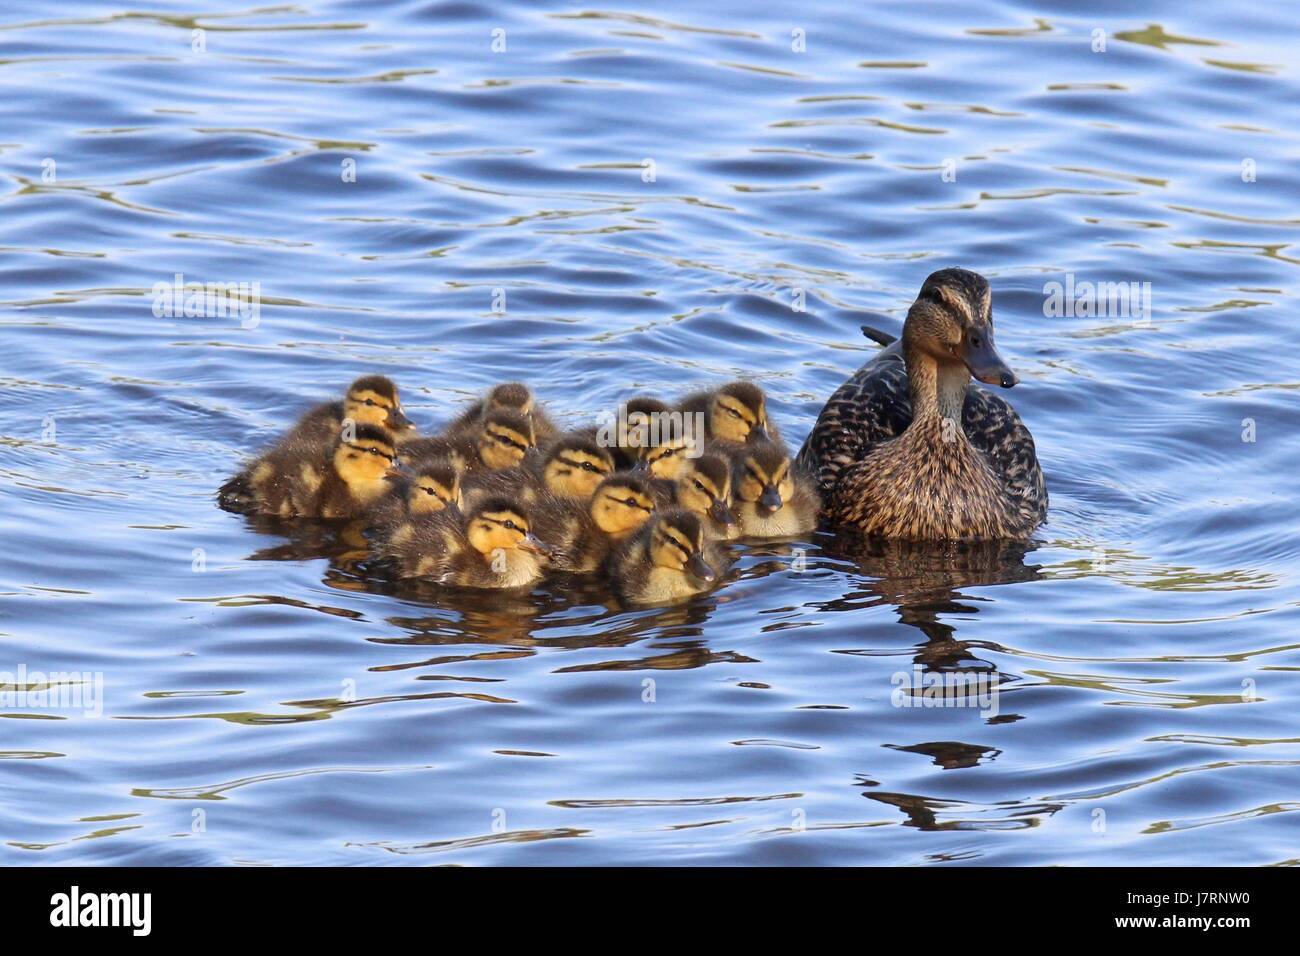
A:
508, 396
490, 547
669, 560
300, 481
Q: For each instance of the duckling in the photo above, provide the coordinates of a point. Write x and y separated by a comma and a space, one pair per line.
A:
703, 487
434, 485
773, 498
571, 466
512, 396
909, 448
296, 480
629, 428
669, 560
491, 546
582, 534
501, 440
370, 400
734, 413
667, 448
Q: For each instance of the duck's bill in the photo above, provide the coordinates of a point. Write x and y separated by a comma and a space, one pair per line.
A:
723, 515
398, 421
536, 546
399, 469
986, 364
700, 568
770, 500
759, 433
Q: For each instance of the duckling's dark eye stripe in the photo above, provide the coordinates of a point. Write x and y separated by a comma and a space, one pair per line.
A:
501, 522
505, 440
669, 539
577, 464
622, 501
755, 475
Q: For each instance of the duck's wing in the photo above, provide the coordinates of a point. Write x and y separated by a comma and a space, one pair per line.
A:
993, 427
873, 406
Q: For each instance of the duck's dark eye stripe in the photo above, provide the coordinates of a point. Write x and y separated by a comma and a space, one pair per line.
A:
669, 539
755, 475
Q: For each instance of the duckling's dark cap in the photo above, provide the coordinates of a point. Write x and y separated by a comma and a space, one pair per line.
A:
767, 453
510, 394
713, 467
500, 503
510, 419
577, 441
439, 469
746, 392
625, 479
688, 523
379, 384
364, 431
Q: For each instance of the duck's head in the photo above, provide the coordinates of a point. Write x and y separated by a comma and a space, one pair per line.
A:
664, 459
500, 524
704, 488
505, 438
575, 466
364, 454
738, 413
639, 413
373, 400
762, 477
514, 396
677, 543
430, 486
621, 504
952, 322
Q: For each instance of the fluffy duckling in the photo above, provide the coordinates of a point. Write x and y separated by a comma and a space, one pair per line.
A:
297, 480
571, 466
773, 499
582, 534
413, 492
703, 487
510, 396
491, 546
501, 440
669, 560
735, 413
370, 400
630, 428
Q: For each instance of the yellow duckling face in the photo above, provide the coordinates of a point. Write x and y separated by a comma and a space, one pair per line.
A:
366, 457
677, 544
620, 505
575, 469
704, 488
498, 526
739, 413
666, 460
952, 321
763, 478
432, 489
373, 400
506, 438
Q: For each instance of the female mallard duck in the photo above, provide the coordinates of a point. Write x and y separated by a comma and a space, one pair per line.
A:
908, 448
774, 499
297, 480
511, 396
491, 546
434, 485
703, 487
501, 440
734, 413
370, 400
571, 466
581, 534
670, 559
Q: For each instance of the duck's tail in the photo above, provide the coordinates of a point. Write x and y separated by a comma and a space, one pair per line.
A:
237, 494
876, 335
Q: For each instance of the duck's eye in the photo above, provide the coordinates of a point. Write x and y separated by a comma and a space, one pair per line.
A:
430, 491
509, 525
371, 402
700, 487
733, 413
975, 341
588, 466
630, 502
